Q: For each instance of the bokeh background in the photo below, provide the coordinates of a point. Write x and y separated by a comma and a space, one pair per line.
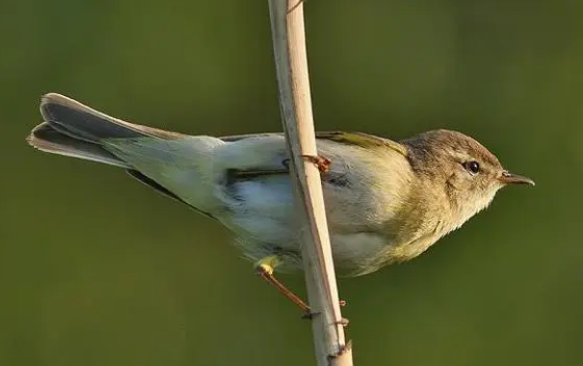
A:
97, 269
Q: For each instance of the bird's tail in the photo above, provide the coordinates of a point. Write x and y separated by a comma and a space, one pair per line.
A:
177, 165
74, 129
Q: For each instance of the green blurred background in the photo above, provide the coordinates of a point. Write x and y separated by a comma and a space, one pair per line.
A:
96, 269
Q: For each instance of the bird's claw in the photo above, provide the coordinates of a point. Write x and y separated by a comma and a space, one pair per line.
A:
309, 314
344, 322
321, 162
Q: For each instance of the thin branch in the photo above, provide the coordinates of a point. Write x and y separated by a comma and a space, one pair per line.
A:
287, 27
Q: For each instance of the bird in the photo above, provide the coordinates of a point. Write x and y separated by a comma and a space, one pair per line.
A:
386, 201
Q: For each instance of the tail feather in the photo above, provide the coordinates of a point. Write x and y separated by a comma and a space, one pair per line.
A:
82, 122
74, 129
46, 138
177, 165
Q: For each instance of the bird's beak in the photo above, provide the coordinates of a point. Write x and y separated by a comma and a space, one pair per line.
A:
509, 178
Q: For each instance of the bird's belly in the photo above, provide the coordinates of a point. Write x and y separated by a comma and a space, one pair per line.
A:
263, 216
264, 209
354, 253
359, 253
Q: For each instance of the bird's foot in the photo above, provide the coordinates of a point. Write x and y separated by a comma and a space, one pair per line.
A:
265, 268
310, 315
321, 162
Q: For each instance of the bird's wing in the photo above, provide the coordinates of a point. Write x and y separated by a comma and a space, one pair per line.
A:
362, 139
264, 168
253, 183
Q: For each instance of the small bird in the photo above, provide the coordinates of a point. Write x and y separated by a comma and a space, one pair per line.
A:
386, 201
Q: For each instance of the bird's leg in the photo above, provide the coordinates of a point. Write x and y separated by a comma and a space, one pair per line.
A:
265, 267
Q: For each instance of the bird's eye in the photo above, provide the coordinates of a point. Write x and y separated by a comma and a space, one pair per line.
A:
472, 166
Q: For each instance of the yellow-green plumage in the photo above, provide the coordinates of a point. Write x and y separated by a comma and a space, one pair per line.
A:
386, 201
